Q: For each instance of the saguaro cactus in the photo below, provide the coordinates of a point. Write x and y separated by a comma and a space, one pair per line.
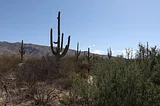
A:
22, 51
77, 52
153, 52
109, 53
147, 50
59, 52
131, 53
142, 51
128, 52
88, 56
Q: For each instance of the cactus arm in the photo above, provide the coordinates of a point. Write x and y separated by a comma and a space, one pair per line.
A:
58, 45
24, 52
62, 42
51, 43
88, 54
66, 48
79, 52
65, 51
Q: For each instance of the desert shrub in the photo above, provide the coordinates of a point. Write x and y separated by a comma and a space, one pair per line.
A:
117, 84
155, 73
44, 69
35, 70
63, 83
7, 63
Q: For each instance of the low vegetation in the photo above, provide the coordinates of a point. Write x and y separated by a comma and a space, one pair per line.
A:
114, 82
81, 80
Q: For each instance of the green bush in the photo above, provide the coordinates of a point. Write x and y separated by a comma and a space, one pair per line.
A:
118, 84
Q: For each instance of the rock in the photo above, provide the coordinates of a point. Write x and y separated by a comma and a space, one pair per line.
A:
21, 64
90, 79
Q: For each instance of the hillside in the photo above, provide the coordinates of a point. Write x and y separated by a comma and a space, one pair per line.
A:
8, 49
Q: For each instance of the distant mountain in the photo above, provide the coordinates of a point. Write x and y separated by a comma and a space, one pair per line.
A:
8, 49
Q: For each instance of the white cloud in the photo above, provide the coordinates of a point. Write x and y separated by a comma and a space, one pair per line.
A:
97, 51
124, 52
90, 46
116, 51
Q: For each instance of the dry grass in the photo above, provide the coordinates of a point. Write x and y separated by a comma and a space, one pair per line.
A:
38, 82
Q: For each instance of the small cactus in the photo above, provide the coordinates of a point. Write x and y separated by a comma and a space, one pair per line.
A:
128, 52
109, 53
88, 56
77, 52
147, 50
22, 51
142, 51
88, 59
131, 53
153, 52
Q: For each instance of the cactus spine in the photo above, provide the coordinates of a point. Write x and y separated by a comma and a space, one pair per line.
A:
109, 53
22, 51
88, 56
59, 52
77, 53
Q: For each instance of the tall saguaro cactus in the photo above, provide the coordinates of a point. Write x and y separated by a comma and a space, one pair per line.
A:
22, 51
77, 52
88, 56
59, 52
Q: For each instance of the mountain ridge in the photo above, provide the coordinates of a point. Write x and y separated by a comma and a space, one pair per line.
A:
12, 48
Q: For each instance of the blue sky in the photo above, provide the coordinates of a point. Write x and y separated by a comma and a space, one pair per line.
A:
98, 24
